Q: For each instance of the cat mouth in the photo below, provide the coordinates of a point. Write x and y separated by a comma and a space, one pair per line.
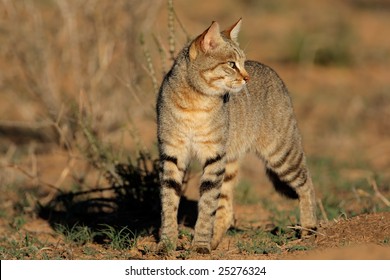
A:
236, 88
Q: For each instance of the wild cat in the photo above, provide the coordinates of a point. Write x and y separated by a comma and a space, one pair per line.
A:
216, 106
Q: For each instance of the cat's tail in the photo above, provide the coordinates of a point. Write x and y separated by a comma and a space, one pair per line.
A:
281, 187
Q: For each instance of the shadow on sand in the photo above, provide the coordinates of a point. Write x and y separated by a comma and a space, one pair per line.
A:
132, 201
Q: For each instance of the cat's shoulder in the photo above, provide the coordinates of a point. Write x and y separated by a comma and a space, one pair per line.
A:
252, 65
260, 70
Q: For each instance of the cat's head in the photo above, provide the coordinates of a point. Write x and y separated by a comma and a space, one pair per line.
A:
217, 62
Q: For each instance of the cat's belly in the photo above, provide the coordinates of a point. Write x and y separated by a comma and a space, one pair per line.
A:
239, 145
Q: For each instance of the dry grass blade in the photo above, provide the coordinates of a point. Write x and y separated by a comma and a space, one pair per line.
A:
378, 194
131, 90
188, 37
149, 65
171, 29
305, 229
323, 212
22, 132
163, 55
34, 177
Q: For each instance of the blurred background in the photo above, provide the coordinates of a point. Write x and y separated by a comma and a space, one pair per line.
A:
78, 83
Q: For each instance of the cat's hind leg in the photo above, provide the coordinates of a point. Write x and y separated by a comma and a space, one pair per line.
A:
286, 167
302, 189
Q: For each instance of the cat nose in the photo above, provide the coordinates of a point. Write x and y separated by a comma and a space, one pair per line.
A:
246, 78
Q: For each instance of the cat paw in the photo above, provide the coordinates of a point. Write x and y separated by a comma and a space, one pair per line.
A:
201, 248
308, 225
307, 232
166, 246
215, 243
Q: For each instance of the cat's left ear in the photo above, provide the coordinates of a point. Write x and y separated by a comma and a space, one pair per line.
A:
207, 41
211, 37
233, 31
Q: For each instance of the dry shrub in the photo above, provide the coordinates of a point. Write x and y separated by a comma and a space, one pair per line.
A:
73, 59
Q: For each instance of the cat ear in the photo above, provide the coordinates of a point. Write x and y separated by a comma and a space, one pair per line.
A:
211, 38
208, 40
233, 31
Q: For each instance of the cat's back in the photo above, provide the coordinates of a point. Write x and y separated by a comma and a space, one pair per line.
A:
260, 108
266, 92
264, 80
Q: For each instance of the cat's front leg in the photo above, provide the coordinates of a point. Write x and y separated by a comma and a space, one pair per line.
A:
172, 169
224, 217
210, 187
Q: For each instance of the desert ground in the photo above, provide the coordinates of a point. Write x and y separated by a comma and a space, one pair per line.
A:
78, 153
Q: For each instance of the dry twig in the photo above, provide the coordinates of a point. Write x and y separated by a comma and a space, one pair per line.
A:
323, 212
33, 177
307, 229
378, 194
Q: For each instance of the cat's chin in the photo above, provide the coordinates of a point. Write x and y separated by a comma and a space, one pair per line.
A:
234, 89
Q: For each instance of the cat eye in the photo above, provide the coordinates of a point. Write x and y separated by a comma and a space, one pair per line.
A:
232, 64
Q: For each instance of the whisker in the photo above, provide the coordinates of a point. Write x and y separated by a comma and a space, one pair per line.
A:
246, 92
247, 45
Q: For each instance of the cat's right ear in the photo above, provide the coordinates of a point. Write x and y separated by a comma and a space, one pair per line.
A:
207, 41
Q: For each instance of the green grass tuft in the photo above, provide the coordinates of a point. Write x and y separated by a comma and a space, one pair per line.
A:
78, 234
119, 239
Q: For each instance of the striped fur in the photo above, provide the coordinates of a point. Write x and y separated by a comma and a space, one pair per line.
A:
207, 108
